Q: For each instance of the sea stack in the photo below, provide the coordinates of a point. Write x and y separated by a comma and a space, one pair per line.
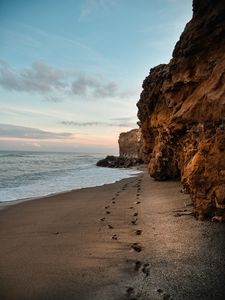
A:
182, 112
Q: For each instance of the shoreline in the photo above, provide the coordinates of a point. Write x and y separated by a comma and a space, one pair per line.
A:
133, 239
5, 204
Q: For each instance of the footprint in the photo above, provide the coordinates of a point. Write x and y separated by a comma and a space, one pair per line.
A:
146, 269
131, 207
136, 247
102, 219
167, 297
113, 198
130, 290
138, 232
115, 237
135, 214
113, 202
106, 207
137, 202
130, 294
137, 194
134, 222
108, 212
110, 226
137, 265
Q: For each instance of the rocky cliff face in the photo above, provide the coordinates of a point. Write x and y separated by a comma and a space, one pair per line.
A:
182, 111
131, 144
131, 149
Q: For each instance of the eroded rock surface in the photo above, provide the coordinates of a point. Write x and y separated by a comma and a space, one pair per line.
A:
131, 148
131, 144
182, 111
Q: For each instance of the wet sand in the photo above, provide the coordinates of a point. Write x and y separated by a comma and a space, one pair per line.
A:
134, 239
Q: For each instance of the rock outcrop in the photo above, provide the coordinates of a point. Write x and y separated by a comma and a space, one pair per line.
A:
112, 161
182, 111
131, 149
131, 145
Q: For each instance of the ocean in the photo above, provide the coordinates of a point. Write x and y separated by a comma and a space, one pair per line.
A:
25, 174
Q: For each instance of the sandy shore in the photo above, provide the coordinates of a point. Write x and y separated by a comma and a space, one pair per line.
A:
134, 239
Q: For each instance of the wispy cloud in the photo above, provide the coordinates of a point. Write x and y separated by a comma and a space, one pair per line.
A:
113, 123
125, 119
54, 99
47, 80
39, 78
14, 131
82, 124
35, 41
91, 6
85, 85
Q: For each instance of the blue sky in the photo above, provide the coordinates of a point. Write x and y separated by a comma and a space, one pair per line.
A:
71, 71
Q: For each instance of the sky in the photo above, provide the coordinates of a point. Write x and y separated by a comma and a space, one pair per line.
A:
71, 71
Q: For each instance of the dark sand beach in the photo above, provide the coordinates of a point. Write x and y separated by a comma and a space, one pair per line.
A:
134, 239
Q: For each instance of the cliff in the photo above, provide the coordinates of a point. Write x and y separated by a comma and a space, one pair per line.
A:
131, 144
131, 149
182, 112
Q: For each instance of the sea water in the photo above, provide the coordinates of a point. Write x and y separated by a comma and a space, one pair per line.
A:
33, 174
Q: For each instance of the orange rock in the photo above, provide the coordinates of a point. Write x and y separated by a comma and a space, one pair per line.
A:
182, 112
131, 144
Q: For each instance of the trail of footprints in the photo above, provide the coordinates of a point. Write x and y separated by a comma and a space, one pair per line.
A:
137, 265
134, 221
